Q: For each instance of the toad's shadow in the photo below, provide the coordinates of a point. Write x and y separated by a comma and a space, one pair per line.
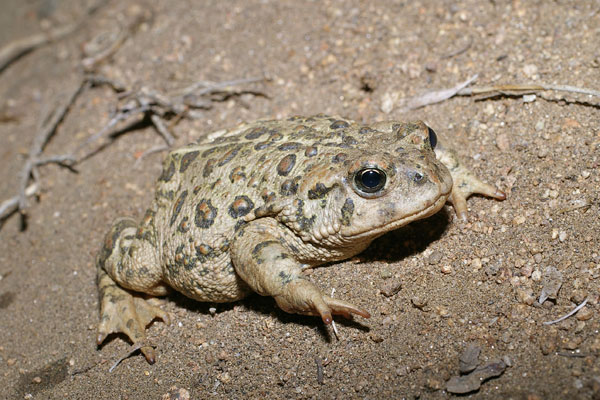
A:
265, 306
408, 240
392, 247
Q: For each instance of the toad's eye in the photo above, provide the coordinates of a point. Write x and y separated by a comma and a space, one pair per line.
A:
369, 180
432, 137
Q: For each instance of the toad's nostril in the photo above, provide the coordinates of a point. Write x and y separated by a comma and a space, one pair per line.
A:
416, 177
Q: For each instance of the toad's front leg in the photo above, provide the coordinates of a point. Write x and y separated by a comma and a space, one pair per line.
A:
271, 269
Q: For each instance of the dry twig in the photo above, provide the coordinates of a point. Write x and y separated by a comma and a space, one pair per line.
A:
319, 370
11, 205
434, 96
128, 353
39, 142
521, 89
437, 96
148, 103
573, 312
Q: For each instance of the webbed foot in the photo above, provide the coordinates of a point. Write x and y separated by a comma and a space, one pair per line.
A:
465, 183
123, 312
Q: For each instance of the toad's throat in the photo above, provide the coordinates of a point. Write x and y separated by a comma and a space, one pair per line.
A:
372, 234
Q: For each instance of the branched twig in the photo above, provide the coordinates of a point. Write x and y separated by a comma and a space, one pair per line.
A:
159, 108
39, 142
11, 205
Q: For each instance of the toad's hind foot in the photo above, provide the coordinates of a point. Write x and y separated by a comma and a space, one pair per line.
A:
123, 312
303, 297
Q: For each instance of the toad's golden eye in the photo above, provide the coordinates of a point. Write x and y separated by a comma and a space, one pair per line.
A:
432, 137
369, 180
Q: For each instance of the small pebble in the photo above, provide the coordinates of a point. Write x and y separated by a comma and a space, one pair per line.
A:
539, 126
225, 377
584, 314
447, 269
37, 379
469, 358
176, 394
552, 282
418, 302
562, 236
503, 142
527, 270
435, 257
391, 288
529, 70
518, 220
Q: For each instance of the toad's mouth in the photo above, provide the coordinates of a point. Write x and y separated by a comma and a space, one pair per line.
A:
421, 214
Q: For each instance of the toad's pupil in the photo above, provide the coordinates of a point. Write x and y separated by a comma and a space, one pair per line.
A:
432, 137
371, 178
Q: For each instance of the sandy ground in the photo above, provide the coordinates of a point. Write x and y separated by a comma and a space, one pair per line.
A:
474, 284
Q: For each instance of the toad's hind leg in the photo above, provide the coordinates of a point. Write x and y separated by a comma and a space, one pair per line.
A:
126, 262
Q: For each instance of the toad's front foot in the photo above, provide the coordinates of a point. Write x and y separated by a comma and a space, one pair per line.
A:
122, 312
302, 297
465, 183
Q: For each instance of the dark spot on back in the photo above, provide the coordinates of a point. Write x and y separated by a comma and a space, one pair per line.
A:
255, 133
184, 225
311, 151
177, 207
227, 157
187, 159
208, 167
205, 214
168, 172
289, 146
340, 157
241, 206
349, 140
286, 164
289, 186
268, 196
261, 145
237, 174
208, 152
